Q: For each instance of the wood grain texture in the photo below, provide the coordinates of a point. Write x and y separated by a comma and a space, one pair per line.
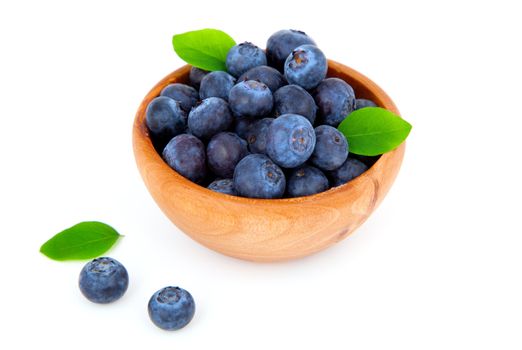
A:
266, 229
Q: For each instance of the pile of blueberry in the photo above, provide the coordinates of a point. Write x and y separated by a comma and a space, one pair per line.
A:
266, 128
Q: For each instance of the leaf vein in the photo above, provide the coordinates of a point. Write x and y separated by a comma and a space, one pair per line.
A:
84, 243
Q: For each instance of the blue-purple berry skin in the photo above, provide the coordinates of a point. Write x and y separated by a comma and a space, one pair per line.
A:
331, 148
362, 103
186, 154
103, 280
306, 180
281, 43
250, 99
195, 76
224, 151
295, 100
257, 176
269, 76
369, 161
165, 118
335, 99
350, 169
244, 56
171, 308
257, 135
216, 84
243, 126
225, 186
210, 117
186, 95
290, 140
306, 66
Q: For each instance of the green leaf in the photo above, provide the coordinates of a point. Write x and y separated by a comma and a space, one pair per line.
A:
85, 240
206, 48
372, 131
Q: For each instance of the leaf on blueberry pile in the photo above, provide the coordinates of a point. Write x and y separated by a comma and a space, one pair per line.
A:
85, 240
206, 48
372, 131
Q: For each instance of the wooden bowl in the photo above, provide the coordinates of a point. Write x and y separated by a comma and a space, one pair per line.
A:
266, 229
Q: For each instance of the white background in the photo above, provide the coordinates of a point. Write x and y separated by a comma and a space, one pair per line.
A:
438, 265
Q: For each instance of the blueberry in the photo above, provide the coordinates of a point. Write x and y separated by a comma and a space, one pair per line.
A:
208, 118
290, 140
103, 280
225, 186
269, 76
257, 176
306, 66
224, 151
256, 137
186, 95
171, 308
250, 99
243, 125
348, 171
165, 118
296, 100
186, 155
331, 148
195, 76
242, 57
362, 102
281, 44
367, 160
306, 180
216, 84
335, 100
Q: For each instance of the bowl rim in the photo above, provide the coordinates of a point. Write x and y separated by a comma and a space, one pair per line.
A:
142, 142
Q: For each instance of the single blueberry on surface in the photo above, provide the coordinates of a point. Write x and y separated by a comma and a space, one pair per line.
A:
171, 308
350, 169
281, 43
103, 280
195, 76
224, 151
269, 76
225, 186
244, 56
186, 154
306, 66
257, 176
165, 118
290, 140
306, 180
362, 103
257, 135
331, 148
186, 95
335, 99
295, 100
209, 117
216, 84
250, 99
